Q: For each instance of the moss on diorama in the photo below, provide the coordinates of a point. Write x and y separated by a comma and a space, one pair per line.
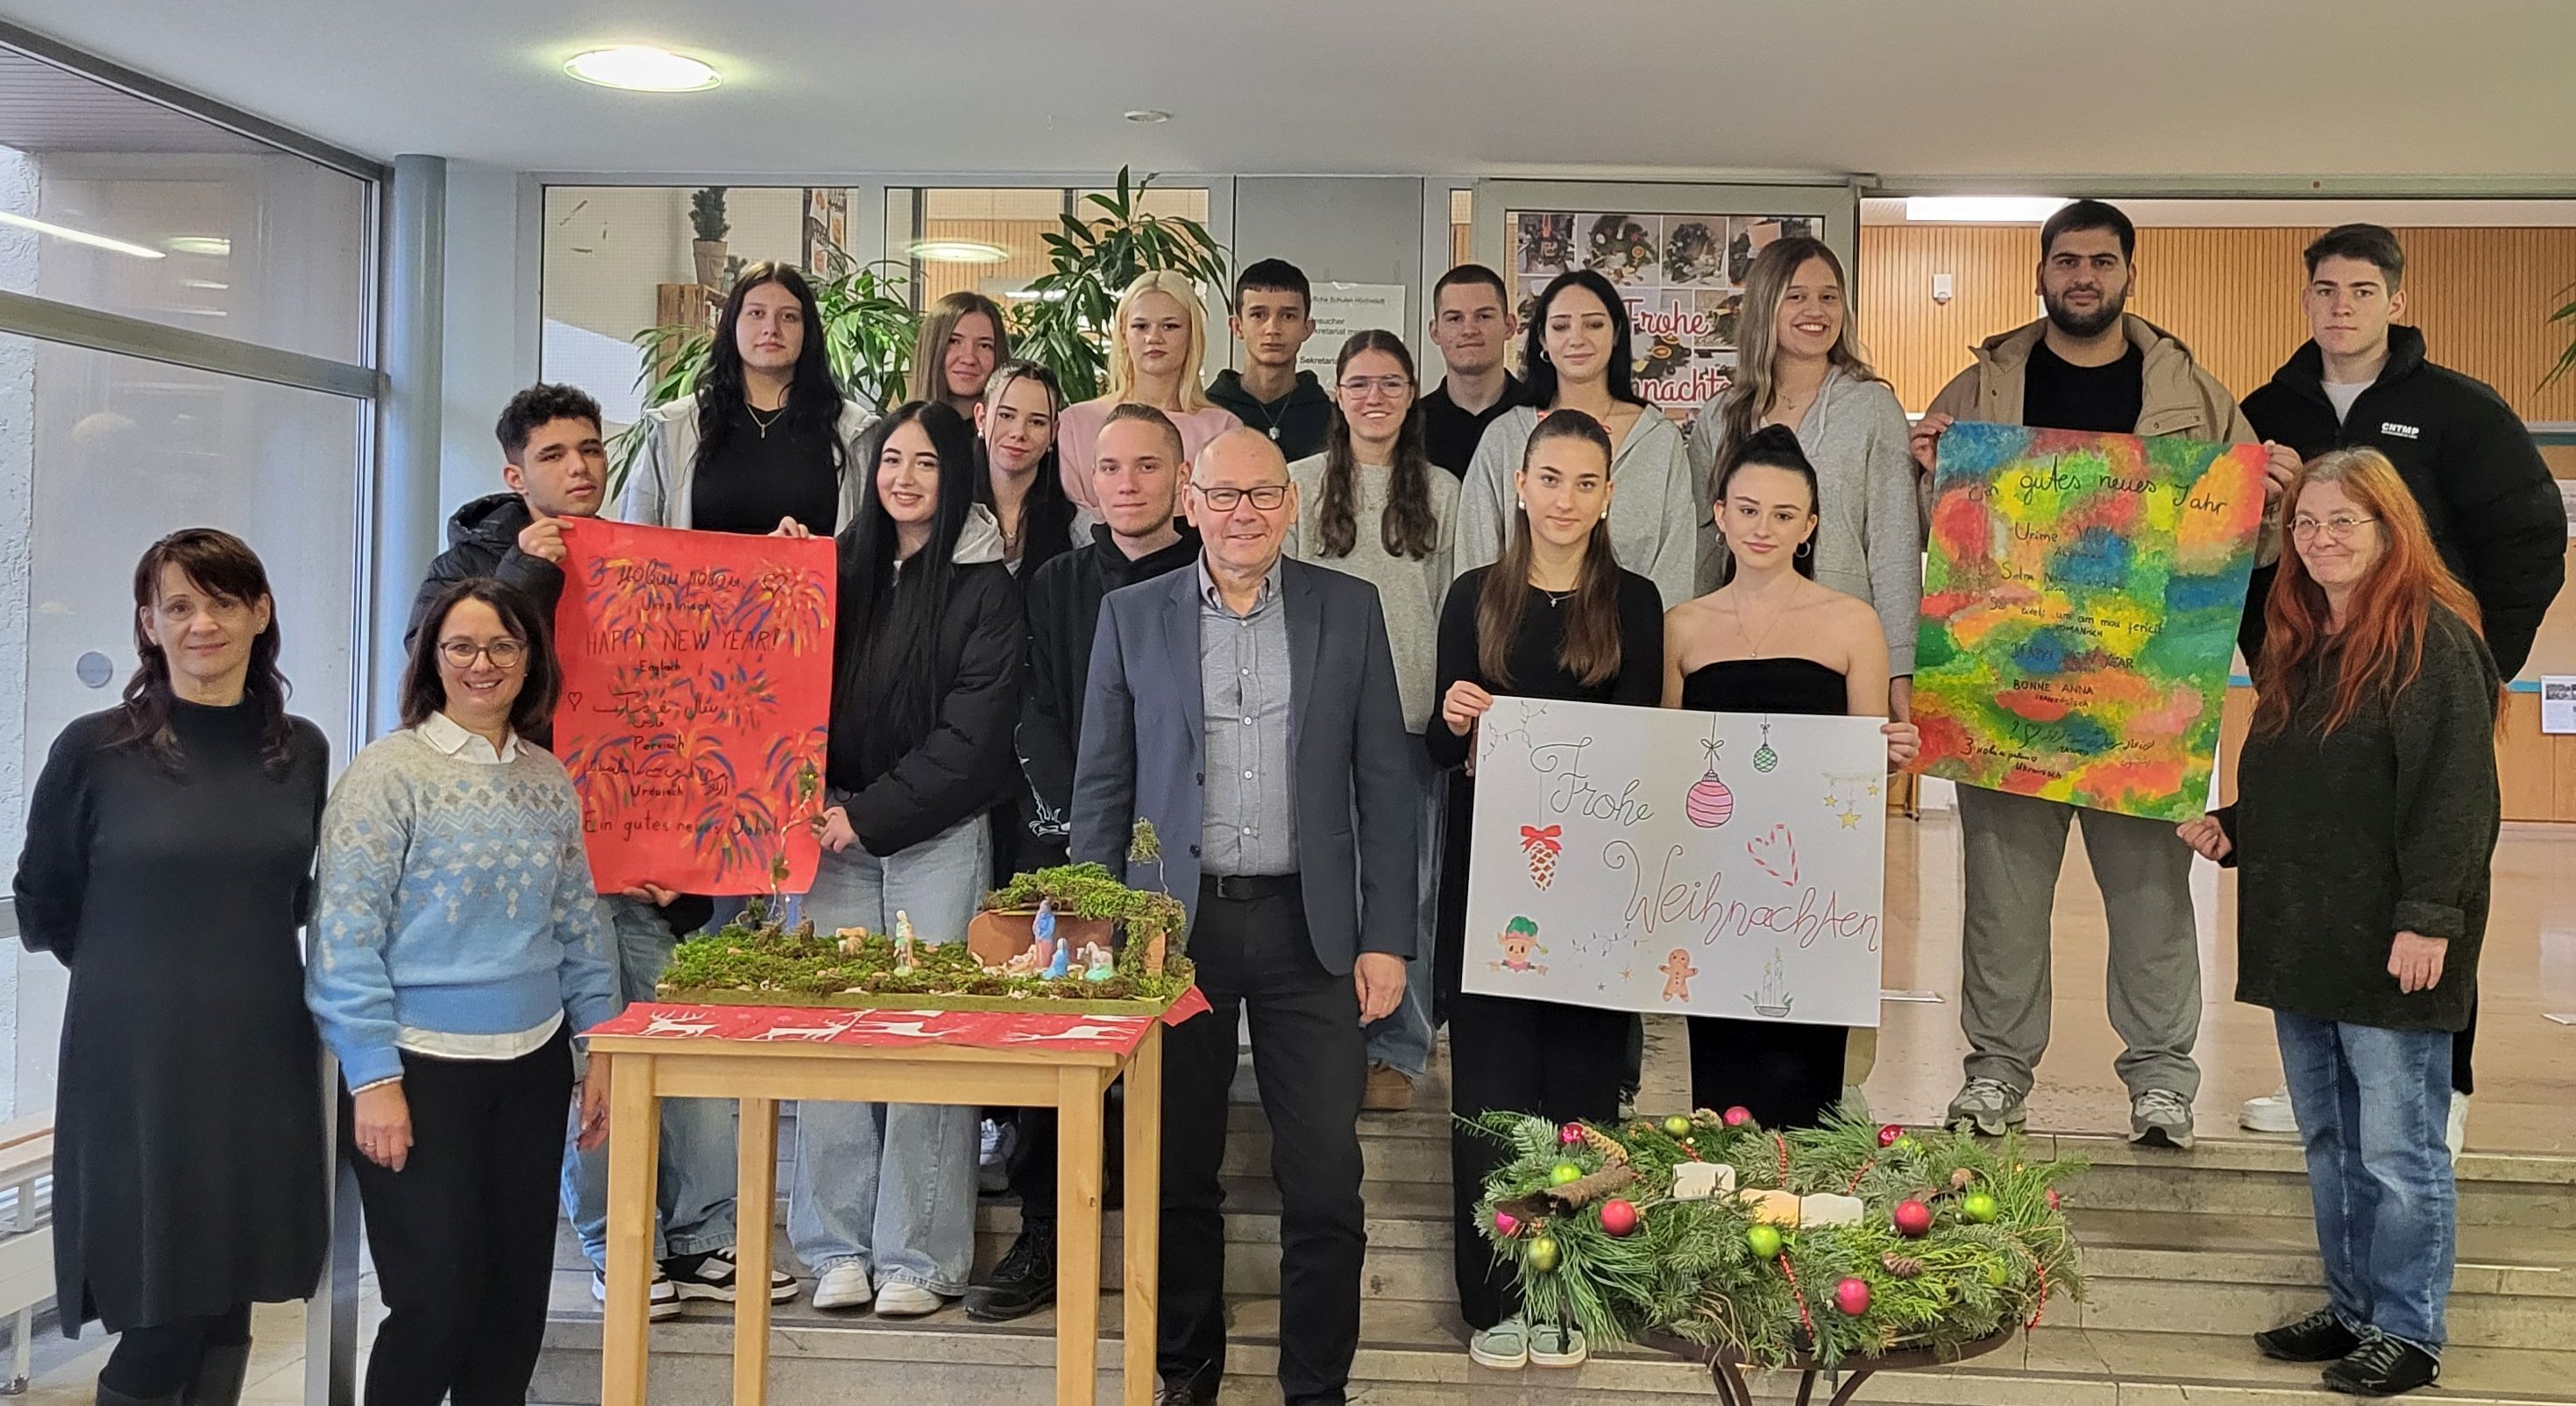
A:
755, 957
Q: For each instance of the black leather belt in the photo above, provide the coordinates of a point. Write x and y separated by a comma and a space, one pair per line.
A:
1245, 888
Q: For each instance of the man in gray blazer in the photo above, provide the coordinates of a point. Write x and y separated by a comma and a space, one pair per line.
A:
1247, 707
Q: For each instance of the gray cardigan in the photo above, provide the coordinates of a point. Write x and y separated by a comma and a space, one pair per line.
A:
660, 487
1650, 506
1869, 532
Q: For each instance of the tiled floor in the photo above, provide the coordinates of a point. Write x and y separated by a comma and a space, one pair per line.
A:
2527, 1063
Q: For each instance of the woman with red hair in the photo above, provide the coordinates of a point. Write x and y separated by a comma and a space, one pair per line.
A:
2366, 814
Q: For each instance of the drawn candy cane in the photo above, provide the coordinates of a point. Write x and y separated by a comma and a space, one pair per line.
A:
1777, 853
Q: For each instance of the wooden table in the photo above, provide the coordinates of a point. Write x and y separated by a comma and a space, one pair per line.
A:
759, 1056
1726, 1365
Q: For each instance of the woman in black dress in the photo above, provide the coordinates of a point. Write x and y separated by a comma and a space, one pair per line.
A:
168, 864
1555, 617
1772, 640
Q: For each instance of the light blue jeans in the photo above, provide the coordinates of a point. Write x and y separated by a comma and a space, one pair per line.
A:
891, 1186
695, 1189
1402, 1038
2372, 1105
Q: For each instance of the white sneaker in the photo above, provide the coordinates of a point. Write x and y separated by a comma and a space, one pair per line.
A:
900, 1300
843, 1286
664, 1301
2270, 1113
2456, 1131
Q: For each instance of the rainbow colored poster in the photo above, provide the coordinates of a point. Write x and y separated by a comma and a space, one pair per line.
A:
2080, 603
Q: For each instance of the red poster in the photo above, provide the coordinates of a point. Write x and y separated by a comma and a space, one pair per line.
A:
697, 682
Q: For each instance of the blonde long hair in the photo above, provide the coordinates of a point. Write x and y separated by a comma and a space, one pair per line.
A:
1122, 367
1757, 336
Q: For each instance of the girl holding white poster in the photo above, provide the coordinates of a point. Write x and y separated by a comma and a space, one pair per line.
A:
1773, 640
1555, 618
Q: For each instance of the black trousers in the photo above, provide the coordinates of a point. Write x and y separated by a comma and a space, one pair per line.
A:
1033, 1157
464, 1234
2464, 1046
1557, 1061
1254, 958
1785, 1075
161, 1359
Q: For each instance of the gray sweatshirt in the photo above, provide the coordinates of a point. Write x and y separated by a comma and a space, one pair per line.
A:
1651, 504
1869, 530
1410, 591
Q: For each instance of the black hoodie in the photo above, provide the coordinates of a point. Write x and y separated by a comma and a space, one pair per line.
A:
1298, 420
483, 540
1064, 618
2493, 508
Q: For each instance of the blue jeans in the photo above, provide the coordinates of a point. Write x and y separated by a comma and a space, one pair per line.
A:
2371, 1106
695, 1189
1402, 1038
890, 1187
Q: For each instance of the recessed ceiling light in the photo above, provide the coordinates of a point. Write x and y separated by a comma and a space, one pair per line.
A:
1149, 115
1982, 209
207, 284
641, 68
956, 251
214, 246
79, 236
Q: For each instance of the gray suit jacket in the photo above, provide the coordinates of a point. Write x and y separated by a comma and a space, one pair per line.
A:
1144, 752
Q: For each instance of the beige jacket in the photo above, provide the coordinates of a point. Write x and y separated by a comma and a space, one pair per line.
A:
2180, 398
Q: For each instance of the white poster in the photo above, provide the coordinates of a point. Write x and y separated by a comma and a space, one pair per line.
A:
1343, 308
1688, 863
2558, 704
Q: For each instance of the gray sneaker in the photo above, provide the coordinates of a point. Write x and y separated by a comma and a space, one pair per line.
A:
1988, 1106
2160, 1118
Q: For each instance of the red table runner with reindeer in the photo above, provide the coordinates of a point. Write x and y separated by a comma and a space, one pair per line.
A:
883, 1029
697, 682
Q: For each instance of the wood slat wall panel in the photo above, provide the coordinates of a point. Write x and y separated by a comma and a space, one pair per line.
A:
2537, 771
2482, 296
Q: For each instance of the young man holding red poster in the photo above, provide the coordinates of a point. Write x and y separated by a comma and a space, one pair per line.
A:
556, 466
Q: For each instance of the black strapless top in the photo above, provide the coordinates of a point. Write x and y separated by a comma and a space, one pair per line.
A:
1766, 686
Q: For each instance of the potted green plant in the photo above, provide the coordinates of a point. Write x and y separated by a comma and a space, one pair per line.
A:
708, 229
1064, 320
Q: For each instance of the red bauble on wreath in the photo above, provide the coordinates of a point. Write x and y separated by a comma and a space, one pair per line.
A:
1888, 1135
1738, 1116
1913, 1219
1619, 1218
1852, 1297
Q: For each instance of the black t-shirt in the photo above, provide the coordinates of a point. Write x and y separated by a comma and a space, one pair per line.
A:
1450, 435
2058, 395
758, 478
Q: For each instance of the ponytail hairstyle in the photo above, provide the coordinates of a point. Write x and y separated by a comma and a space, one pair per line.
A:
2382, 642
813, 397
1591, 648
219, 564
1773, 447
1046, 514
1407, 528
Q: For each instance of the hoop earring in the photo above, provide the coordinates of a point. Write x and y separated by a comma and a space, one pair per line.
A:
1807, 548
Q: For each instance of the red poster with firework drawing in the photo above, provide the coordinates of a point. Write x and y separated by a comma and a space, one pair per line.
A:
697, 681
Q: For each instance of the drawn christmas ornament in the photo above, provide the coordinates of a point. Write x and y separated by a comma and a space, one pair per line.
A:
1710, 803
1764, 759
1542, 846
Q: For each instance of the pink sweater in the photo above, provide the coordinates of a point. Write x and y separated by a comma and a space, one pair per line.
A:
1077, 440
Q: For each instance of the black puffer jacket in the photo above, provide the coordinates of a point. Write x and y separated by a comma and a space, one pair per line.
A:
904, 791
1064, 618
2486, 494
483, 540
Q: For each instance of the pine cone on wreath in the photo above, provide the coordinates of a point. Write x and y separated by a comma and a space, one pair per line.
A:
1902, 1266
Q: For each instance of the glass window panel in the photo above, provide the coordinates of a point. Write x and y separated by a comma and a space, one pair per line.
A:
114, 202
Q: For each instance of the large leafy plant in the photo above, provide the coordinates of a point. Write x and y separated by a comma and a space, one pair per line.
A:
2566, 314
1064, 323
869, 328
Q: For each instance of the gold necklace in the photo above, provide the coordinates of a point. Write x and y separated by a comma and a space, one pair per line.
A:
1751, 641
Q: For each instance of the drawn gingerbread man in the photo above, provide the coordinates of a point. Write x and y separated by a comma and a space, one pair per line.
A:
1678, 971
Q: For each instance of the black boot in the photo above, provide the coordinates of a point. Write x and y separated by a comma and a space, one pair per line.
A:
1023, 1282
219, 1377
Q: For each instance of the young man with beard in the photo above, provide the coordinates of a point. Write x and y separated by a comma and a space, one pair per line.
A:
2494, 510
556, 467
2086, 365
1473, 326
1136, 477
1273, 317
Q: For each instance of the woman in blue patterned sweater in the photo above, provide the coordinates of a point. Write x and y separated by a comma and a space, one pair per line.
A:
456, 950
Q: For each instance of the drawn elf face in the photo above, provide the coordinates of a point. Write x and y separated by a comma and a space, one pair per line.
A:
1516, 949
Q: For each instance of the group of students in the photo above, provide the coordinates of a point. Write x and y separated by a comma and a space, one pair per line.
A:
1266, 614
